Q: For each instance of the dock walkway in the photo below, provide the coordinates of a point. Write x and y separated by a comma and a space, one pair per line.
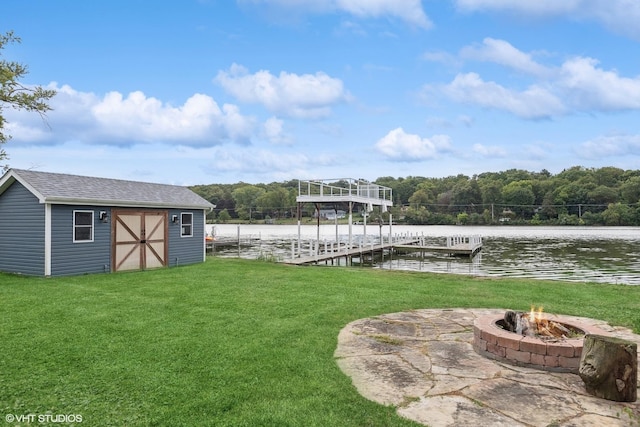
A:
345, 252
456, 245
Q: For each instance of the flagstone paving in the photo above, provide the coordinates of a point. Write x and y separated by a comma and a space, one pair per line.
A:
423, 363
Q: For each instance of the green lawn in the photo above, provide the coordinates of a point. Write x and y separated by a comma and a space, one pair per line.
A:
230, 342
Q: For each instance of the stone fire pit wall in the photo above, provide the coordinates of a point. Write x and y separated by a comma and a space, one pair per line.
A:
496, 343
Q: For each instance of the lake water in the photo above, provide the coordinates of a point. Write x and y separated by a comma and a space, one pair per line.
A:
595, 254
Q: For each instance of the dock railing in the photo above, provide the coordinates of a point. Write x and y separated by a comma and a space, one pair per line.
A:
348, 187
470, 241
313, 247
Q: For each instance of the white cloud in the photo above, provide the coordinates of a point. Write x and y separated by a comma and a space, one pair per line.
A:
26, 132
535, 102
489, 151
503, 53
591, 87
621, 16
232, 125
133, 119
71, 117
577, 85
401, 146
146, 118
274, 131
610, 146
301, 96
410, 11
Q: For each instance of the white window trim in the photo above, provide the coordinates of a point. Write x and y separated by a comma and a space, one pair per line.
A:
190, 224
74, 226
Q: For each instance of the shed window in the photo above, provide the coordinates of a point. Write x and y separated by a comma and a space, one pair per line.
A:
186, 224
83, 226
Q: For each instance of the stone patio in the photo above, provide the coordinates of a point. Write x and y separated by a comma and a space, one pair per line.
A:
423, 363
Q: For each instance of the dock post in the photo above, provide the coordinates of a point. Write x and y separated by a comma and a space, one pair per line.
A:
299, 213
350, 221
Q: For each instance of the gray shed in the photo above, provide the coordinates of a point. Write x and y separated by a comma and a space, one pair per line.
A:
55, 224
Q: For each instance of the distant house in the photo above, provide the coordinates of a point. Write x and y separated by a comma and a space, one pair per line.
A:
55, 224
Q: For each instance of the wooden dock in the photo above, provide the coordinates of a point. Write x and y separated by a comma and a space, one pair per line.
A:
347, 253
456, 245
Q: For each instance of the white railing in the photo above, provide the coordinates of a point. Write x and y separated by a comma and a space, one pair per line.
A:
471, 241
312, 247
348, 187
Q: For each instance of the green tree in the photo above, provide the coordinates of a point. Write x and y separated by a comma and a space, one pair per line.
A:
443, 201
574, 174
224, 216
618, 214
463, 218
407, 187
417, 216
549, 210
246, 198
467, 196
519, 196
419, 198
275, 201
573, 195
608, 176
16, 95
603, 195
630, 190
491, 190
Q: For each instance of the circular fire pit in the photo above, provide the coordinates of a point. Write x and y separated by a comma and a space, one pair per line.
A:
492, 340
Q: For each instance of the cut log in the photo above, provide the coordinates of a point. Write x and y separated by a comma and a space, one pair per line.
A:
609, 368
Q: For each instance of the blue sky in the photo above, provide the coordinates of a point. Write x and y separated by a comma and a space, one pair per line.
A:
222, 91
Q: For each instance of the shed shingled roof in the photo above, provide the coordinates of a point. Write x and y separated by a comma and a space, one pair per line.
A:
58, 188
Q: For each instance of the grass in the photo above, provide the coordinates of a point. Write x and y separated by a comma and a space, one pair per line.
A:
230, 342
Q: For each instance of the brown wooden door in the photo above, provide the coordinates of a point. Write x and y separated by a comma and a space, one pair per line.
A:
139, 239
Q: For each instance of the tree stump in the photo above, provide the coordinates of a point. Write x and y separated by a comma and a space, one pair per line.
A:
609, 368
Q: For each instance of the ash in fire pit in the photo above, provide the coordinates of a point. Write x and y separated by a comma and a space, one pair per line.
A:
535, 324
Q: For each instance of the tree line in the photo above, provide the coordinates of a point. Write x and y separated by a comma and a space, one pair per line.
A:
575, 196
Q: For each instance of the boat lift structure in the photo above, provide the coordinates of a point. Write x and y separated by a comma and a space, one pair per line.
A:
342, 191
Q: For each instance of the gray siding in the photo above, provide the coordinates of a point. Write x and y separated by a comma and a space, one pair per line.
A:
186, 250
67, 257
21, 232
